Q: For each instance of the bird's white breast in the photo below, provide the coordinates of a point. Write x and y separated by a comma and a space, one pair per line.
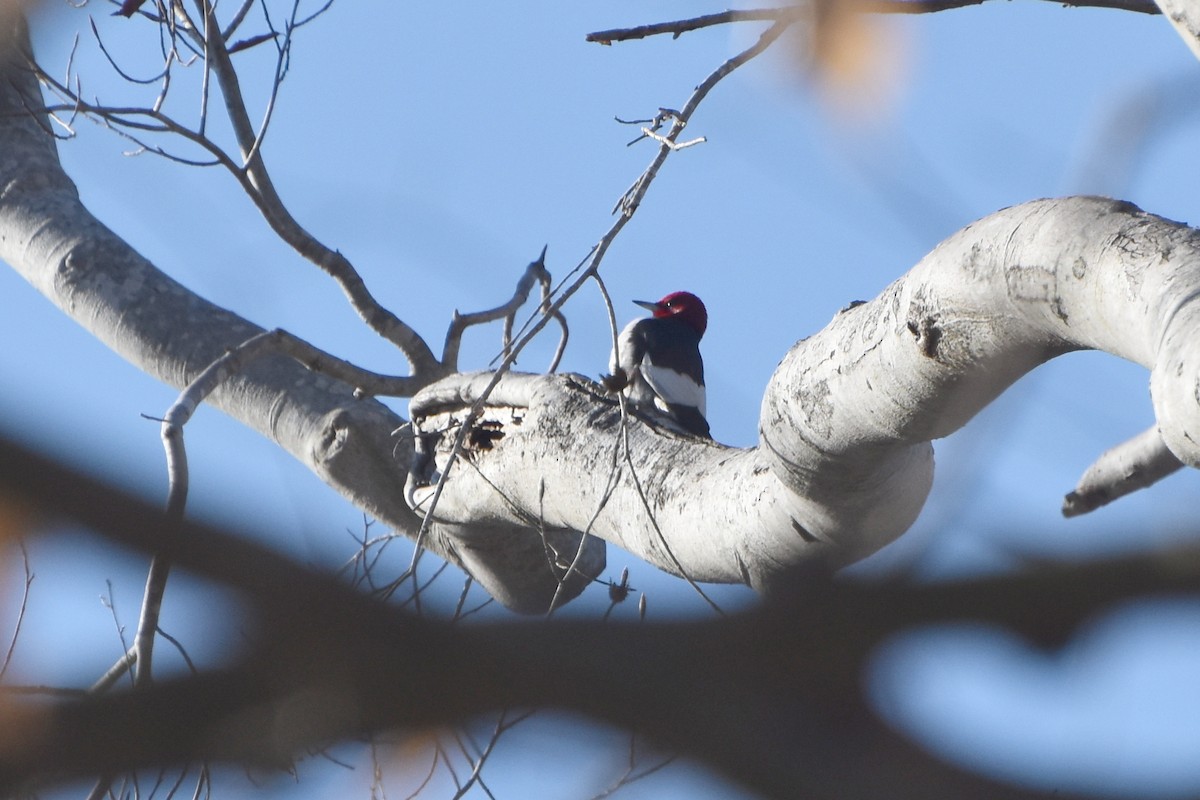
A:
674, 387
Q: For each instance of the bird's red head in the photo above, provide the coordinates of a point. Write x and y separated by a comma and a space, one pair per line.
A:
684, 305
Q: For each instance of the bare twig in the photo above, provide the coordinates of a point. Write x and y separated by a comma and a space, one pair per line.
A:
270, 204
632, 774
116, 68
12, 642
683, 573
425, 782
677, 28
239, 17
587, 269
479, 760
1131, 465
536, 272
114, 673
301, 23
673, 145
173, 422
160, 564
250, 169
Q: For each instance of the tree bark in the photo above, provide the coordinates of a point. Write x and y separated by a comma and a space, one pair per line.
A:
552, 471
844, 460
157, 324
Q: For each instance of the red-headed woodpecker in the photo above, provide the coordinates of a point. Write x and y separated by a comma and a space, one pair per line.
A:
657, 362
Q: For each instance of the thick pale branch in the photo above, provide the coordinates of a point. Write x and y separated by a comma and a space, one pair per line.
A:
845, 461
995, 300
1185, 17
89, 272
251, 173
546, 447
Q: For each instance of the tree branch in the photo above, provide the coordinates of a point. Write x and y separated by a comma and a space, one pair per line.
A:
772, 696
536, 272
170, 333
424, 364
1140, 462
795, 13
844, 461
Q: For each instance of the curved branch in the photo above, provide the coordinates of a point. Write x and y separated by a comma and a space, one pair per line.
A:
89, 272
844, 461
536, 272
424, 364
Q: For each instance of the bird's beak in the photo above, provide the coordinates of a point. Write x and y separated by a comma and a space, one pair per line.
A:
646, 304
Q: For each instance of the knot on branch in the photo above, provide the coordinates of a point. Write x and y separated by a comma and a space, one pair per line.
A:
485, 446
465, 417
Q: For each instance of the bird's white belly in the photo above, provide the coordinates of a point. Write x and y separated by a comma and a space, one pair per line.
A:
674, 387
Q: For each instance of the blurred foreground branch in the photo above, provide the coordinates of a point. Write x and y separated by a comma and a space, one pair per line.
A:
772, 696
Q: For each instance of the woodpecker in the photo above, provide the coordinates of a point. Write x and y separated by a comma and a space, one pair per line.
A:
657, 362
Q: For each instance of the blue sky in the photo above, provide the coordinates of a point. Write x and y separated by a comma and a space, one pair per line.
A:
439, 146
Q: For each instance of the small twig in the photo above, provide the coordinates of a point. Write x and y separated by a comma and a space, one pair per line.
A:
479, 760
677, 28
209, 32
160, 563
114, 673
253, 41
110, 604
12, 643
113, 63
673, 145
631, 775
173, 422
536, 272
106, 682
618, 592
637, 483
257, 182
282, 61
449, 765
121, 120
187, 659
633, 196
421, 786
1131, 465
587, 269
415, 598
563, 575
239, 17
462, 598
